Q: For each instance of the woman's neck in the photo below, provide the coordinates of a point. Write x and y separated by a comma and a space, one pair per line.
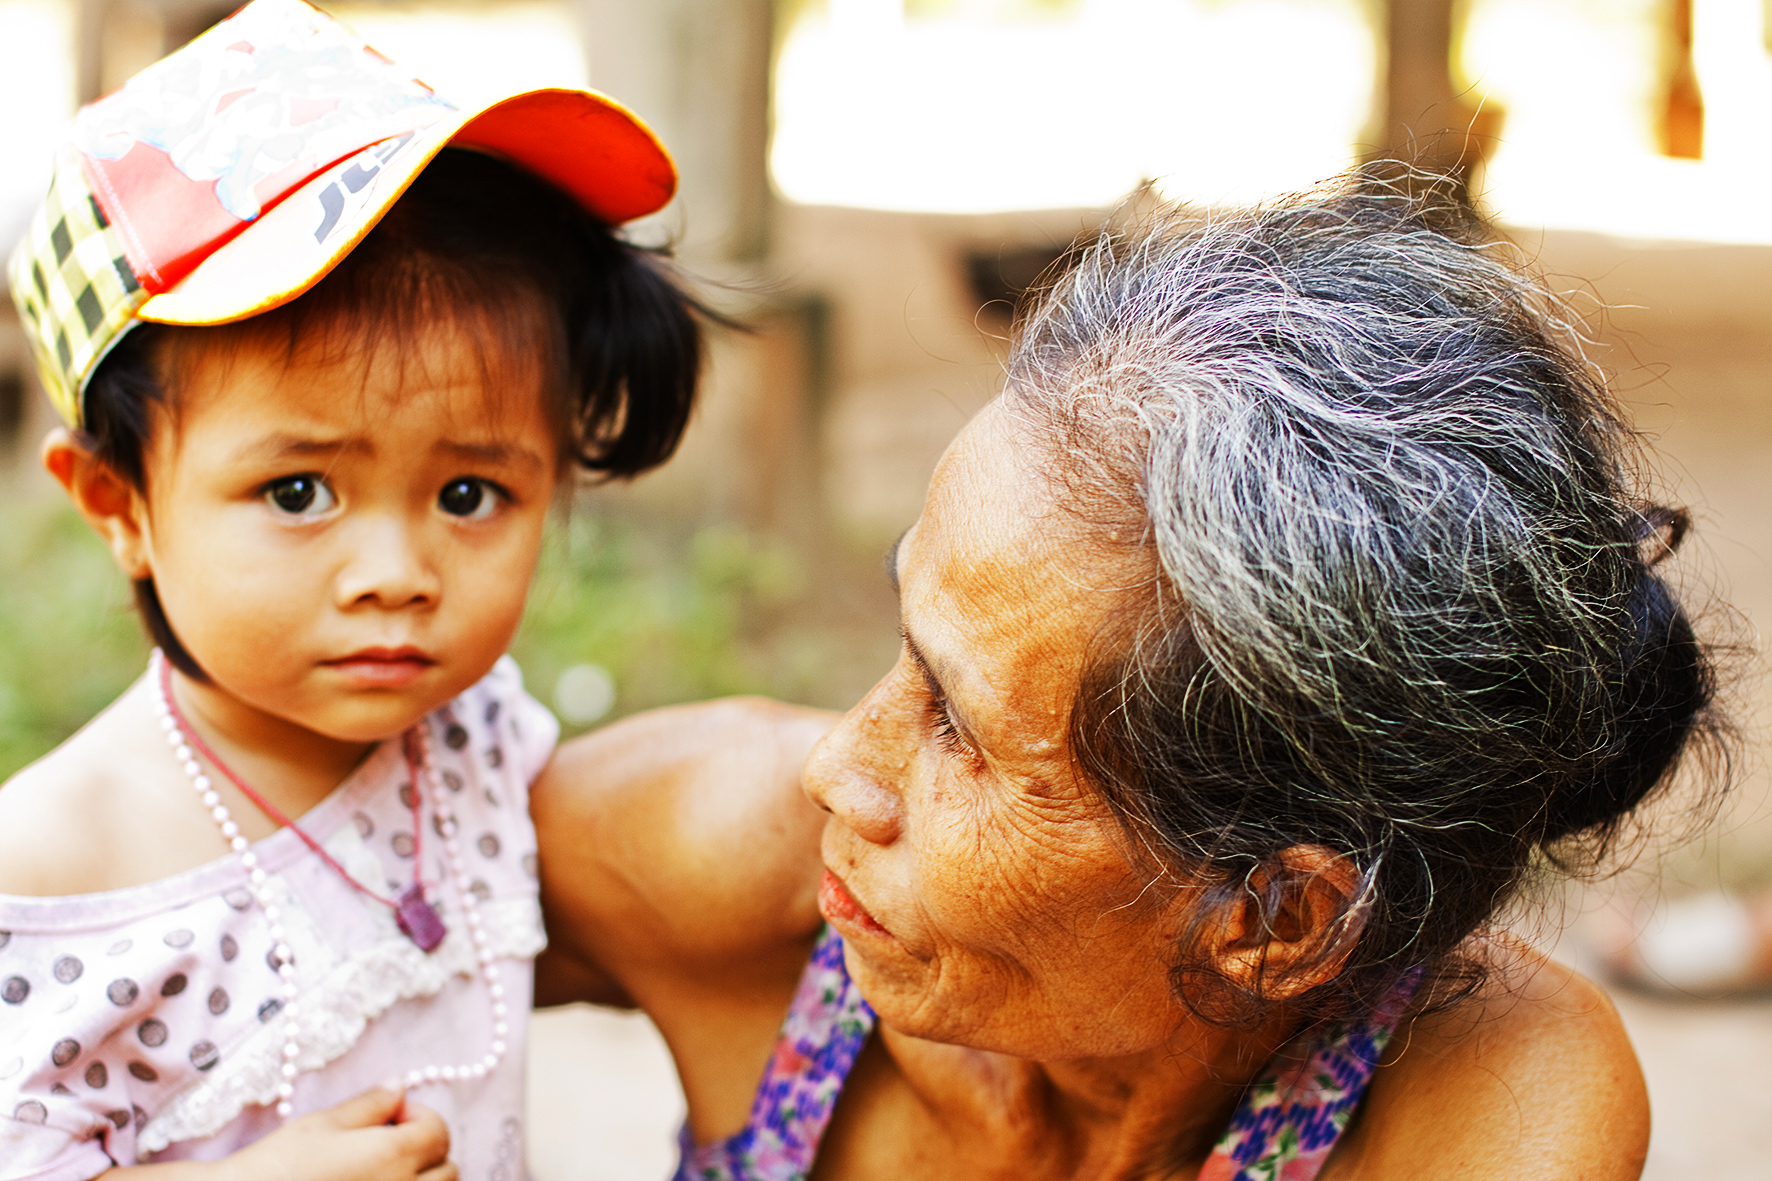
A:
291, 766
1152, 1114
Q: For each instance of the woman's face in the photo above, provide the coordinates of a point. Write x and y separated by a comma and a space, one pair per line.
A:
985, 894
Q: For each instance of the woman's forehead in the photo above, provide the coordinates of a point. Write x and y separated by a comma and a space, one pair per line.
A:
997, 580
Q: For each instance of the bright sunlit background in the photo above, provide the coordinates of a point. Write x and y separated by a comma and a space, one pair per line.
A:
976, 105
872, 182
973, 106
988, 104
1578, 82
37, 90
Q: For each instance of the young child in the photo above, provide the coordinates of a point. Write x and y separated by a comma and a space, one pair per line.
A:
327, 348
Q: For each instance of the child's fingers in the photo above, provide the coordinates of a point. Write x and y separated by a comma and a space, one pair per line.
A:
443, 1172
378, 1105
423, 1136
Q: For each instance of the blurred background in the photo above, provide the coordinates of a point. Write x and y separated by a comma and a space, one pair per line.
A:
868, 184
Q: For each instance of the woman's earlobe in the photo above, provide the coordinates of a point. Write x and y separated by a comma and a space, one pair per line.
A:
112, 505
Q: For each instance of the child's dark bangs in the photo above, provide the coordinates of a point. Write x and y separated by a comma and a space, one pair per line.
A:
424, 267
384, 307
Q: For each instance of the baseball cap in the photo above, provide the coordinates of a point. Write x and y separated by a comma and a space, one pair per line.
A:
232, 175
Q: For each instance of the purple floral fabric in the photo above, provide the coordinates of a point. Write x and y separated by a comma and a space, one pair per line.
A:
1292, 1115
1283, 1130
826, 1027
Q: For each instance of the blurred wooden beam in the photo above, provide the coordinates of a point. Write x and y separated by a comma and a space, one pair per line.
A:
699, 72
1424, 120
115, 39
1682, 110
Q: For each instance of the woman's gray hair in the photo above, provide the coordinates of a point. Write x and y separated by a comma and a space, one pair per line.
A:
1402, 602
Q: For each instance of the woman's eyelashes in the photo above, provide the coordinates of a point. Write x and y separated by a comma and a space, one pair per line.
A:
941, 720
306, 495
471, 498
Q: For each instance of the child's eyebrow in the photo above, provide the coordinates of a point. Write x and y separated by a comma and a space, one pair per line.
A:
287, 446
282, 446
493, 453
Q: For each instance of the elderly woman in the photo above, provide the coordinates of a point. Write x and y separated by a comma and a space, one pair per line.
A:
1286, 614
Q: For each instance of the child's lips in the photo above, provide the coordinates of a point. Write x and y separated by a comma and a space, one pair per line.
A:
383, 668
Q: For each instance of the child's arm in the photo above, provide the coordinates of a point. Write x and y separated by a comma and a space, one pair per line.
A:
376, 1136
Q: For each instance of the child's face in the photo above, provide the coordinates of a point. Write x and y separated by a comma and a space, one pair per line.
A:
347, 542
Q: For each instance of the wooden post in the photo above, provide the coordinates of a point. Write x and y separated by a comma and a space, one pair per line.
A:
1423, 120
1682, 111
698, 71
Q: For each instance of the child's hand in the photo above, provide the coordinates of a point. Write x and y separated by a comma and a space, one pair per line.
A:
374, 1137
377, 1136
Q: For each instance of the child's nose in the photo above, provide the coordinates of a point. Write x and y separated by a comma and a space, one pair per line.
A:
386, 567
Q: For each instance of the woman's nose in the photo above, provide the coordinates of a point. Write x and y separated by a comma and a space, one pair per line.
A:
857, 770
386, 567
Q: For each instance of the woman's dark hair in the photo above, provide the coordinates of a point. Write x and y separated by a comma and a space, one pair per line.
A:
508, 258
1402, 598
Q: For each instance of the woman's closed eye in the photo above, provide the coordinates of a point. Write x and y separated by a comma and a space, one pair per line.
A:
471, 498
948, 735
306, 495
942, 722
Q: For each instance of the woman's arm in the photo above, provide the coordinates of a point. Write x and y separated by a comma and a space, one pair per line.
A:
679, 872
1534, 1081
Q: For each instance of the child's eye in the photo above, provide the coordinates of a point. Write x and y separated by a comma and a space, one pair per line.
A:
470, 498
300, 496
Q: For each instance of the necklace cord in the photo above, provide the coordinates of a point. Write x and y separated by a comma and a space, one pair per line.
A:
275, 813
416, 918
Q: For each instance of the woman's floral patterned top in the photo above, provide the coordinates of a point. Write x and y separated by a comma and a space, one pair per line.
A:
1283, 1130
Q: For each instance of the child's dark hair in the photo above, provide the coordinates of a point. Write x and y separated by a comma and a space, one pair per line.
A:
506, 257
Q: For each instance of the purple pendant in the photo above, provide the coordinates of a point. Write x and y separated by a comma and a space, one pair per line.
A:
419, 919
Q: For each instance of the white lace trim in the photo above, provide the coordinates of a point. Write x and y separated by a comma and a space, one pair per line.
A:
335, 1009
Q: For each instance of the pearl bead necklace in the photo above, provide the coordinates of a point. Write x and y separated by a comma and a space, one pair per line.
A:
257, 884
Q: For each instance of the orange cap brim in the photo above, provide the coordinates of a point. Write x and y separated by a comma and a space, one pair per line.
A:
585, 143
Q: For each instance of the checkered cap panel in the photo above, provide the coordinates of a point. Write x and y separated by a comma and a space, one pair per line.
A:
75, 290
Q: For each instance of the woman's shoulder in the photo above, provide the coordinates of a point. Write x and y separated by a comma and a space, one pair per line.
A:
1534, 1077
682, 833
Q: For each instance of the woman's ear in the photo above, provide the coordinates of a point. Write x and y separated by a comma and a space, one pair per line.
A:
1292, 926
113, 506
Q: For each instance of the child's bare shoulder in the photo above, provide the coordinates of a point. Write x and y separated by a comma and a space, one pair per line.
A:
82, 818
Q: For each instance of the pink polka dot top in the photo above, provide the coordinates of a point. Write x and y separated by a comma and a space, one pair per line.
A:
139, 1025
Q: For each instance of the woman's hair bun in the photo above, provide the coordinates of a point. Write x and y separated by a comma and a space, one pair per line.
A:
1665, 681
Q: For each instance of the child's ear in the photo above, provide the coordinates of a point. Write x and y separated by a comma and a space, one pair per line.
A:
113, 506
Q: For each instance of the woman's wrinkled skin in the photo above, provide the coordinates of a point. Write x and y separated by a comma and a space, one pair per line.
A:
996, 882
1014, 941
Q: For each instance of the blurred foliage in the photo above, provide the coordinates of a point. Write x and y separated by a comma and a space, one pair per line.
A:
69, 641
674, 612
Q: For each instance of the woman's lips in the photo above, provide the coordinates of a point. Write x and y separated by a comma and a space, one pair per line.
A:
383, 668
838, 905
